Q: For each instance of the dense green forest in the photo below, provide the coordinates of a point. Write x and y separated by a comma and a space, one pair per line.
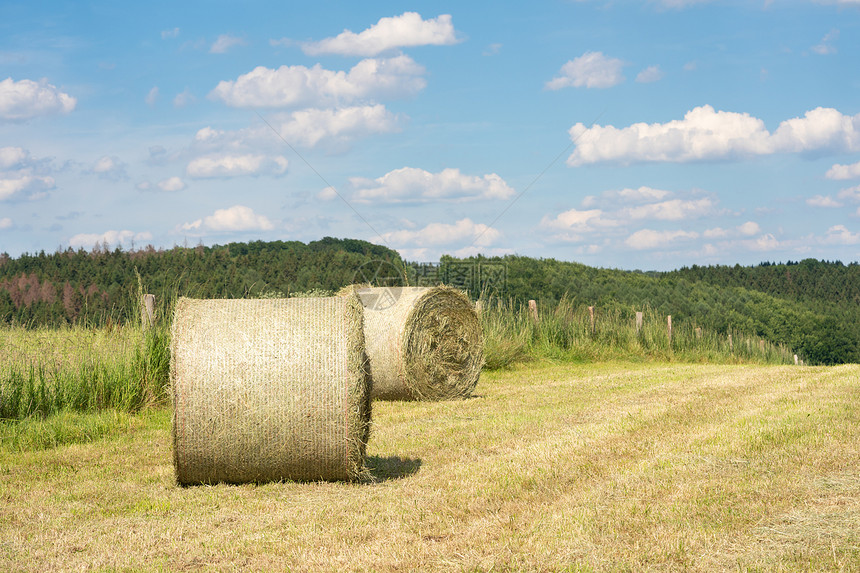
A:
820, 320
812, 306
97, 285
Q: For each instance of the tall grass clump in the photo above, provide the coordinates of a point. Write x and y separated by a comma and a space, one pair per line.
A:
507, 335
567, 331
75, 368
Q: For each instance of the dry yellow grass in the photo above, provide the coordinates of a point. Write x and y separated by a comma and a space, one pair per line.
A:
614, 467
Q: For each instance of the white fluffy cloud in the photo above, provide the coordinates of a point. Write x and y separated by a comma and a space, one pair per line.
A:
299, 86
821, 129
406, 30
169, 185
766, 242
840, 235
826, 46
236, 165
627, 196
26, 99
109, 167
706, 134
112, 238
822, 201
224, 43
747, 237
13, 157
575, 225
840, 172
636, 218
312, 127
672, 210
327, 194
590, 70
444, 234
22, 176
851, 194
235, 218
649, 75
5, 223
647, 239
184, 99
614, 210
654, 204
747, 229
307, 128
172, 184
152, 96
105, 164
643, 194
413, 184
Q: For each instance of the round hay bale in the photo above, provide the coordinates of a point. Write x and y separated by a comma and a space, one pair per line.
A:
268, 390
424, 343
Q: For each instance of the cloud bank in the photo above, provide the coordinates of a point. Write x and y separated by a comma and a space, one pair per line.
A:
413, 184
706, 135
299, 86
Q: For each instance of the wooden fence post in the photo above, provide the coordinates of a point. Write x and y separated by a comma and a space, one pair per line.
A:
699, 332
533, 311
731, 344
795, 359
669, 325
591, 315
147, 315
638, 322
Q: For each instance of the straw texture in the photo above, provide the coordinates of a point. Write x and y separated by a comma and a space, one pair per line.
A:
267, 390
424, 343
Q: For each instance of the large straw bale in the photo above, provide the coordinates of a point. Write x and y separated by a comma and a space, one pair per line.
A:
267, 390
424, 343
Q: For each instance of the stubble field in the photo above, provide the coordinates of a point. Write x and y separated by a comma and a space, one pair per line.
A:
550, 467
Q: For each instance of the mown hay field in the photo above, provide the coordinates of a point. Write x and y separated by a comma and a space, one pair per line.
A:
548, 467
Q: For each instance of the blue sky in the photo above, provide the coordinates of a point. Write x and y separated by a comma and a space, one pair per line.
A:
635, 135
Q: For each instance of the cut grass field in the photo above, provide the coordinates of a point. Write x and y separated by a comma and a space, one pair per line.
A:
550, 467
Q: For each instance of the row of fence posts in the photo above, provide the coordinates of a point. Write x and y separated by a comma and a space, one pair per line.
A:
640, 317
147, 317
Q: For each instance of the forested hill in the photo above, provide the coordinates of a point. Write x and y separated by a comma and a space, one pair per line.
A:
829, 289
71, 286
809, 280
812, 307
821, 321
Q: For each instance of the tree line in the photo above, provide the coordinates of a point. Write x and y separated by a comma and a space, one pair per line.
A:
810, 306
103, 285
